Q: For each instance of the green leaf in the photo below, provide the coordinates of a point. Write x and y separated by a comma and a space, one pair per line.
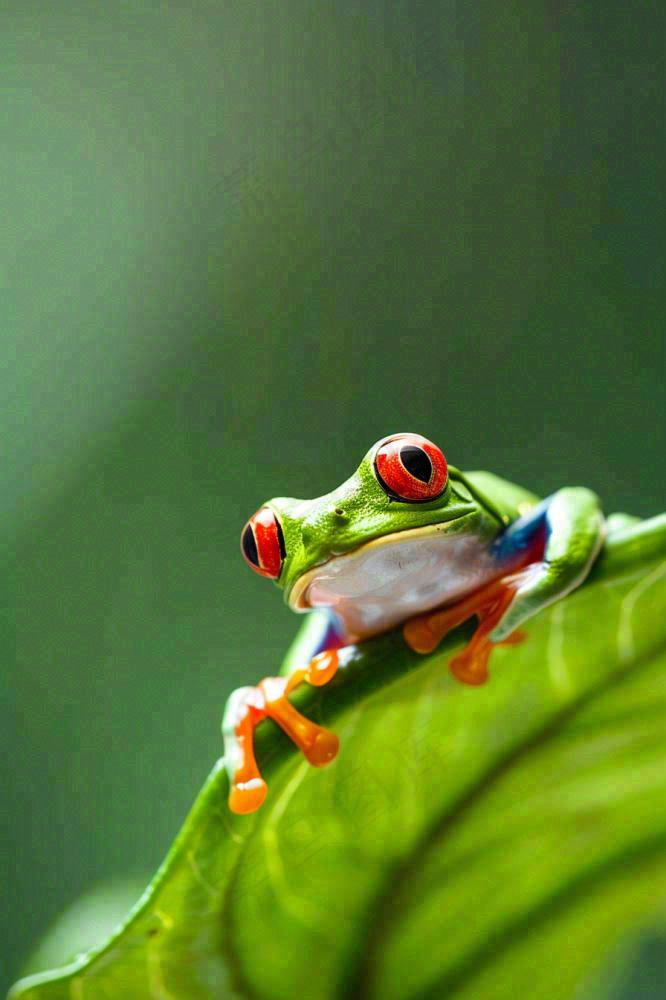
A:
467, 843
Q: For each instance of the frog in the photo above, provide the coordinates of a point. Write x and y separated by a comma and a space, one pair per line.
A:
407, 542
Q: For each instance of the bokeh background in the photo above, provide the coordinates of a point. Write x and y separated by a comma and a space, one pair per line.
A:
240, 242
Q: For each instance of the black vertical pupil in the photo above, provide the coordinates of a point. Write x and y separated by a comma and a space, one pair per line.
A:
417, 462
283, 551
250, 546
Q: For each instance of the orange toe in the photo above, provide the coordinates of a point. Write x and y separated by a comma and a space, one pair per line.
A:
247, 796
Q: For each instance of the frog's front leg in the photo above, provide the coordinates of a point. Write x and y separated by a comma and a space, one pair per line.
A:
550, 551
247, 707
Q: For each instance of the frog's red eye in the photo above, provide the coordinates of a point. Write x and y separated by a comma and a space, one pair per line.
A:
411, 469
262, 543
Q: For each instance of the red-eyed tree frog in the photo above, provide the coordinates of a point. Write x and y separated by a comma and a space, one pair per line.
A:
407, 541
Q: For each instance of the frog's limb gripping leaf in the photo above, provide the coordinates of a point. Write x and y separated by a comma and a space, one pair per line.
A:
423, 634
247, 707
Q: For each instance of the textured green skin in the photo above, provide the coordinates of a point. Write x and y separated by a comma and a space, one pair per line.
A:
477, 503
315, 533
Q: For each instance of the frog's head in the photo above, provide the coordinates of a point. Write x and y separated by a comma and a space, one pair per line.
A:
402, 485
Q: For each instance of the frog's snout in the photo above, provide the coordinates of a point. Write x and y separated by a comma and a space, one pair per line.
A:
325, 525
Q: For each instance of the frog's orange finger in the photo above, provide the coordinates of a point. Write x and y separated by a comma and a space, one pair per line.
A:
321, 669
318, 744
471, 665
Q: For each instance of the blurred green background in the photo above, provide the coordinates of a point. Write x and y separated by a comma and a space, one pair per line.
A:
240, 242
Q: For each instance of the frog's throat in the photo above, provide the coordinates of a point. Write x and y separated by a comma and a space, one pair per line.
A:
297, 595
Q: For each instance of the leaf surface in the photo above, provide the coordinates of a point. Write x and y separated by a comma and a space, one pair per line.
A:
467, 843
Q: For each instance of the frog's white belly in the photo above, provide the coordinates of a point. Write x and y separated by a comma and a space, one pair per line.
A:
387, 581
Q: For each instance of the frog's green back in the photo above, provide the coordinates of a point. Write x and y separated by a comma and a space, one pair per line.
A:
508, 499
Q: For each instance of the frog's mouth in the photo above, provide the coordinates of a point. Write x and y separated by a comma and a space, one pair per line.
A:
389, 577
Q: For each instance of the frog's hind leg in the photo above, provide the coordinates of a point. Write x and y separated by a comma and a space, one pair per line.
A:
619, 521
248, 706
575, 533
631, 541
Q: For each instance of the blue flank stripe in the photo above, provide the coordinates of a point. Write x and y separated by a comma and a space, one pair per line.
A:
521, 534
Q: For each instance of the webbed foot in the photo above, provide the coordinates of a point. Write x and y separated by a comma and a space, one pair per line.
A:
247, 707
